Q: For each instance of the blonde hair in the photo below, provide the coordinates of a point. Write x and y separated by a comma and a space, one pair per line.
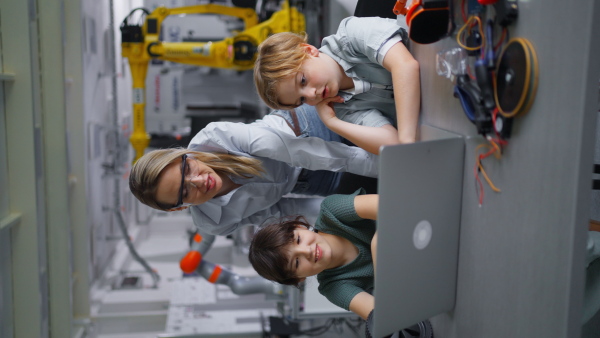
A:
279, 56
145, 173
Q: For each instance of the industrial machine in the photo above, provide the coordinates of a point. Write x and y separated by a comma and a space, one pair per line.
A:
141, 42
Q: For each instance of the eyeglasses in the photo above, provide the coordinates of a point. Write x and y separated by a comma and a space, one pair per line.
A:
183, 166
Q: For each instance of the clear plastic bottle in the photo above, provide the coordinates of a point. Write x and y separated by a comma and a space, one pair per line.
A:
451, 62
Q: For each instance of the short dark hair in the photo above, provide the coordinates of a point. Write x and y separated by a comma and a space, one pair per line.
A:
267, 250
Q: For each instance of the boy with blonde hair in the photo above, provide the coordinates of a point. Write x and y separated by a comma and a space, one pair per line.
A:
363, 80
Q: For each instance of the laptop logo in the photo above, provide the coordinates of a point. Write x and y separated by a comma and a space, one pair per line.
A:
422, 234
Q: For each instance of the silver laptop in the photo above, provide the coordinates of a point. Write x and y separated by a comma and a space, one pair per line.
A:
420, 193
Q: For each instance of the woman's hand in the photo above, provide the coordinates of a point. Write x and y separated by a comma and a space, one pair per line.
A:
325, 109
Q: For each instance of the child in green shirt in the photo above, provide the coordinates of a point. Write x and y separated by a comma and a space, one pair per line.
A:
340, 251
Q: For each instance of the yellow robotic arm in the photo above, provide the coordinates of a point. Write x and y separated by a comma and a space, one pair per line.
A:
140, 44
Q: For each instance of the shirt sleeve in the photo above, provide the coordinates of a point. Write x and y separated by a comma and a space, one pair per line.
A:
370, 117
232, 217
332, 292
339, 208
312, 153
386, 47
338, 216
367, 36
231, 220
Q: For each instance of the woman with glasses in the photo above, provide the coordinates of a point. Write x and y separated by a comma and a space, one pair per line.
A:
234, 174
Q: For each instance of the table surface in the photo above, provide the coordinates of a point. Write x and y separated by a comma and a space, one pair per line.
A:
521, 257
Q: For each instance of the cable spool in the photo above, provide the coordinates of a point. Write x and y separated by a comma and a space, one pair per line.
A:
516, 80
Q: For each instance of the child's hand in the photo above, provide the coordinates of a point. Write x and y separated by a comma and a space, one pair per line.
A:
325, 108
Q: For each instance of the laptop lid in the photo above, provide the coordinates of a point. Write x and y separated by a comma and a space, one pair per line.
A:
420, 193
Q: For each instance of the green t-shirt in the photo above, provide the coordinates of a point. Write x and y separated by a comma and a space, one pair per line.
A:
338, 217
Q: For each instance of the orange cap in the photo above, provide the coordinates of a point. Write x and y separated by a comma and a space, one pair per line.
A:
190, 261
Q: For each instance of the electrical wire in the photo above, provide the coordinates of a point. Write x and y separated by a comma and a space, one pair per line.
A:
471, 22
141, 19
499, 138
478, 186
501, 40
487, 53
462, 10
494, 149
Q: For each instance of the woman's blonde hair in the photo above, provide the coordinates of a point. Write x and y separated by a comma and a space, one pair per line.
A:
279, 56
144, 175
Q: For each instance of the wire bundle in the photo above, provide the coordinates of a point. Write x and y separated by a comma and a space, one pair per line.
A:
493, 148
477, 38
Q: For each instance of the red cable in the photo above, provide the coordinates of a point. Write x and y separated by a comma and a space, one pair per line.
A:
499, 43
